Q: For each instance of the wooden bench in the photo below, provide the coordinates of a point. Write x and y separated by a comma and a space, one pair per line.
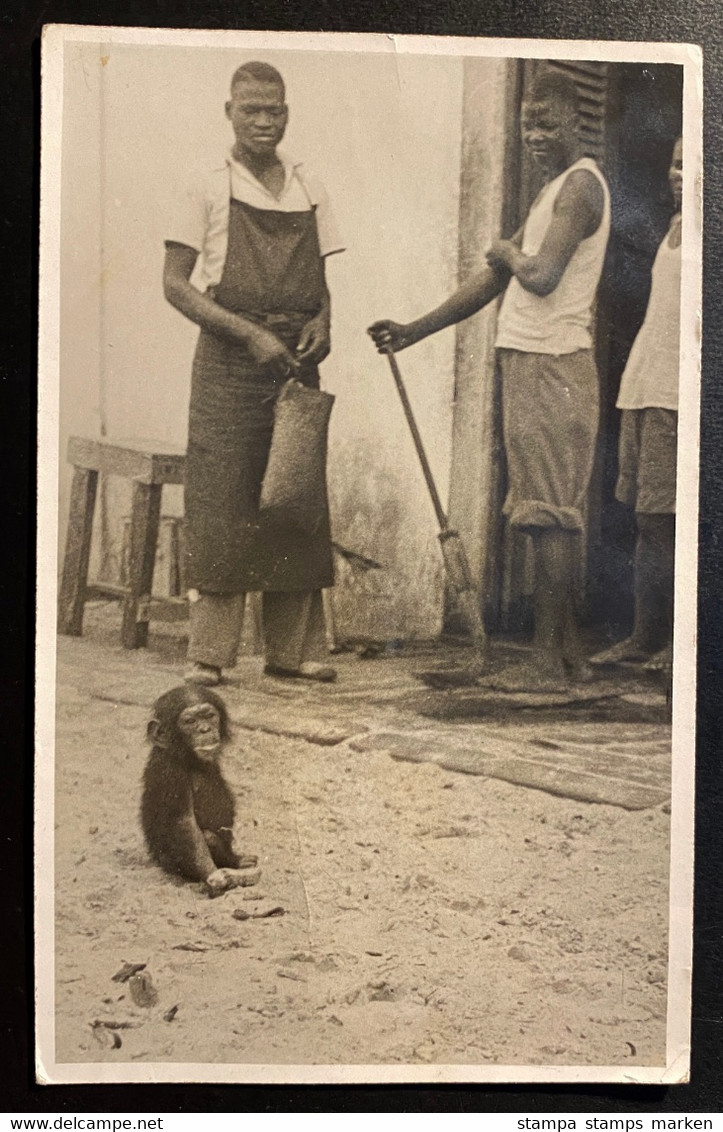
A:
149, 465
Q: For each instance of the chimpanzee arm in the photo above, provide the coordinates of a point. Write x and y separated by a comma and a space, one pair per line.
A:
169, 823
193, 854
221, 849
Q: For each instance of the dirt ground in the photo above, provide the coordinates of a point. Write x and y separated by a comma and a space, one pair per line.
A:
422, 915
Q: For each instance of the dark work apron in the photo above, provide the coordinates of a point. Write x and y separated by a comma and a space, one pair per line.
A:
272, 275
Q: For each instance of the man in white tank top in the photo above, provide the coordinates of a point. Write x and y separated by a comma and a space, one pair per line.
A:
549, 272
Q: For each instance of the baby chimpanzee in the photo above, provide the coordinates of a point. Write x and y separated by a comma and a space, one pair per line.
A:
187, 809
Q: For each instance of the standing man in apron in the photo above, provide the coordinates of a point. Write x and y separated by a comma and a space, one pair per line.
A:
255, 230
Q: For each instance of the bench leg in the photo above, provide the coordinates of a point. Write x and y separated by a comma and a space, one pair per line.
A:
145, 519
176, 566
71, 599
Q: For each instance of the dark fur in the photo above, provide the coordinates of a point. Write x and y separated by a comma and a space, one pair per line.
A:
187, 809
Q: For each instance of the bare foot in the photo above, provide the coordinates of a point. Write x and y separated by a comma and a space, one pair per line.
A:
660, 661
624, 652
579, 671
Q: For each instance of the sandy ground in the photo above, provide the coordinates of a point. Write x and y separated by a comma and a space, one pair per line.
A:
428, 916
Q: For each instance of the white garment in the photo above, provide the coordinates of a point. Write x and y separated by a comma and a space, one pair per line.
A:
200, 219
650, 380
558, 323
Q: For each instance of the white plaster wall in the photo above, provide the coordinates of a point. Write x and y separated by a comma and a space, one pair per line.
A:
81, 356
384, 134
489, 105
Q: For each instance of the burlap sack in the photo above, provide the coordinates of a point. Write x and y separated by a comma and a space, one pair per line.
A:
294, 486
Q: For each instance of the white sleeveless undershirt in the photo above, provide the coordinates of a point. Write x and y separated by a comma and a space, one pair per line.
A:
651, 375
558, 323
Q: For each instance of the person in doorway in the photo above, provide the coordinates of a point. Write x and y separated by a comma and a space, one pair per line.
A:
549, 273
648, 448
256, 231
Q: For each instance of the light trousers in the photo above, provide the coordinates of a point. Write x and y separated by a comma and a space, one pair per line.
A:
293, 628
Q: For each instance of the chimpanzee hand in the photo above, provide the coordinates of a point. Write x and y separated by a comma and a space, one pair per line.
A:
272, 354
390, 335
315, 342
221, 880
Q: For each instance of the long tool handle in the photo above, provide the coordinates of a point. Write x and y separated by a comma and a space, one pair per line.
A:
436, 501
453, 552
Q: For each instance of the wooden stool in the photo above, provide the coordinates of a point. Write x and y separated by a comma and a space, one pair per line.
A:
149, 465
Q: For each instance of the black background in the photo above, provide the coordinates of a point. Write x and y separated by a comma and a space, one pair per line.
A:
20, 26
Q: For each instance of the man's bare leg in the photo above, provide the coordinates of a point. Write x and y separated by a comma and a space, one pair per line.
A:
573, 649
554, 585
556, 648
653, 623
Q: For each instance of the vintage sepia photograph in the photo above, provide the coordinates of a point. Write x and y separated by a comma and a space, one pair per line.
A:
368, 481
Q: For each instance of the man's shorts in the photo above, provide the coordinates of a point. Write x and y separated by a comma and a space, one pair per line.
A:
550, 413
647, 455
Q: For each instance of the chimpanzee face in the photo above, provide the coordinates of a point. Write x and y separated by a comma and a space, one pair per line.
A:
200, 726
189, 720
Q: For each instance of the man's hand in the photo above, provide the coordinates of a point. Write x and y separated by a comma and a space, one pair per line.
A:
577, 214
266, 349
476, 293
315, 341
390, 335
500, 254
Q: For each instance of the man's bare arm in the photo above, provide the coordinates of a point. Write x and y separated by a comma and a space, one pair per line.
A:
265, 347
315, 341
577, 215
476, 293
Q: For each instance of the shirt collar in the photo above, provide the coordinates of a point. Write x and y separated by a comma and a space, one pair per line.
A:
240, 170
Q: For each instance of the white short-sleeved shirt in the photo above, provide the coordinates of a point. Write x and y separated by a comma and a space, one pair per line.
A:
200, 218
